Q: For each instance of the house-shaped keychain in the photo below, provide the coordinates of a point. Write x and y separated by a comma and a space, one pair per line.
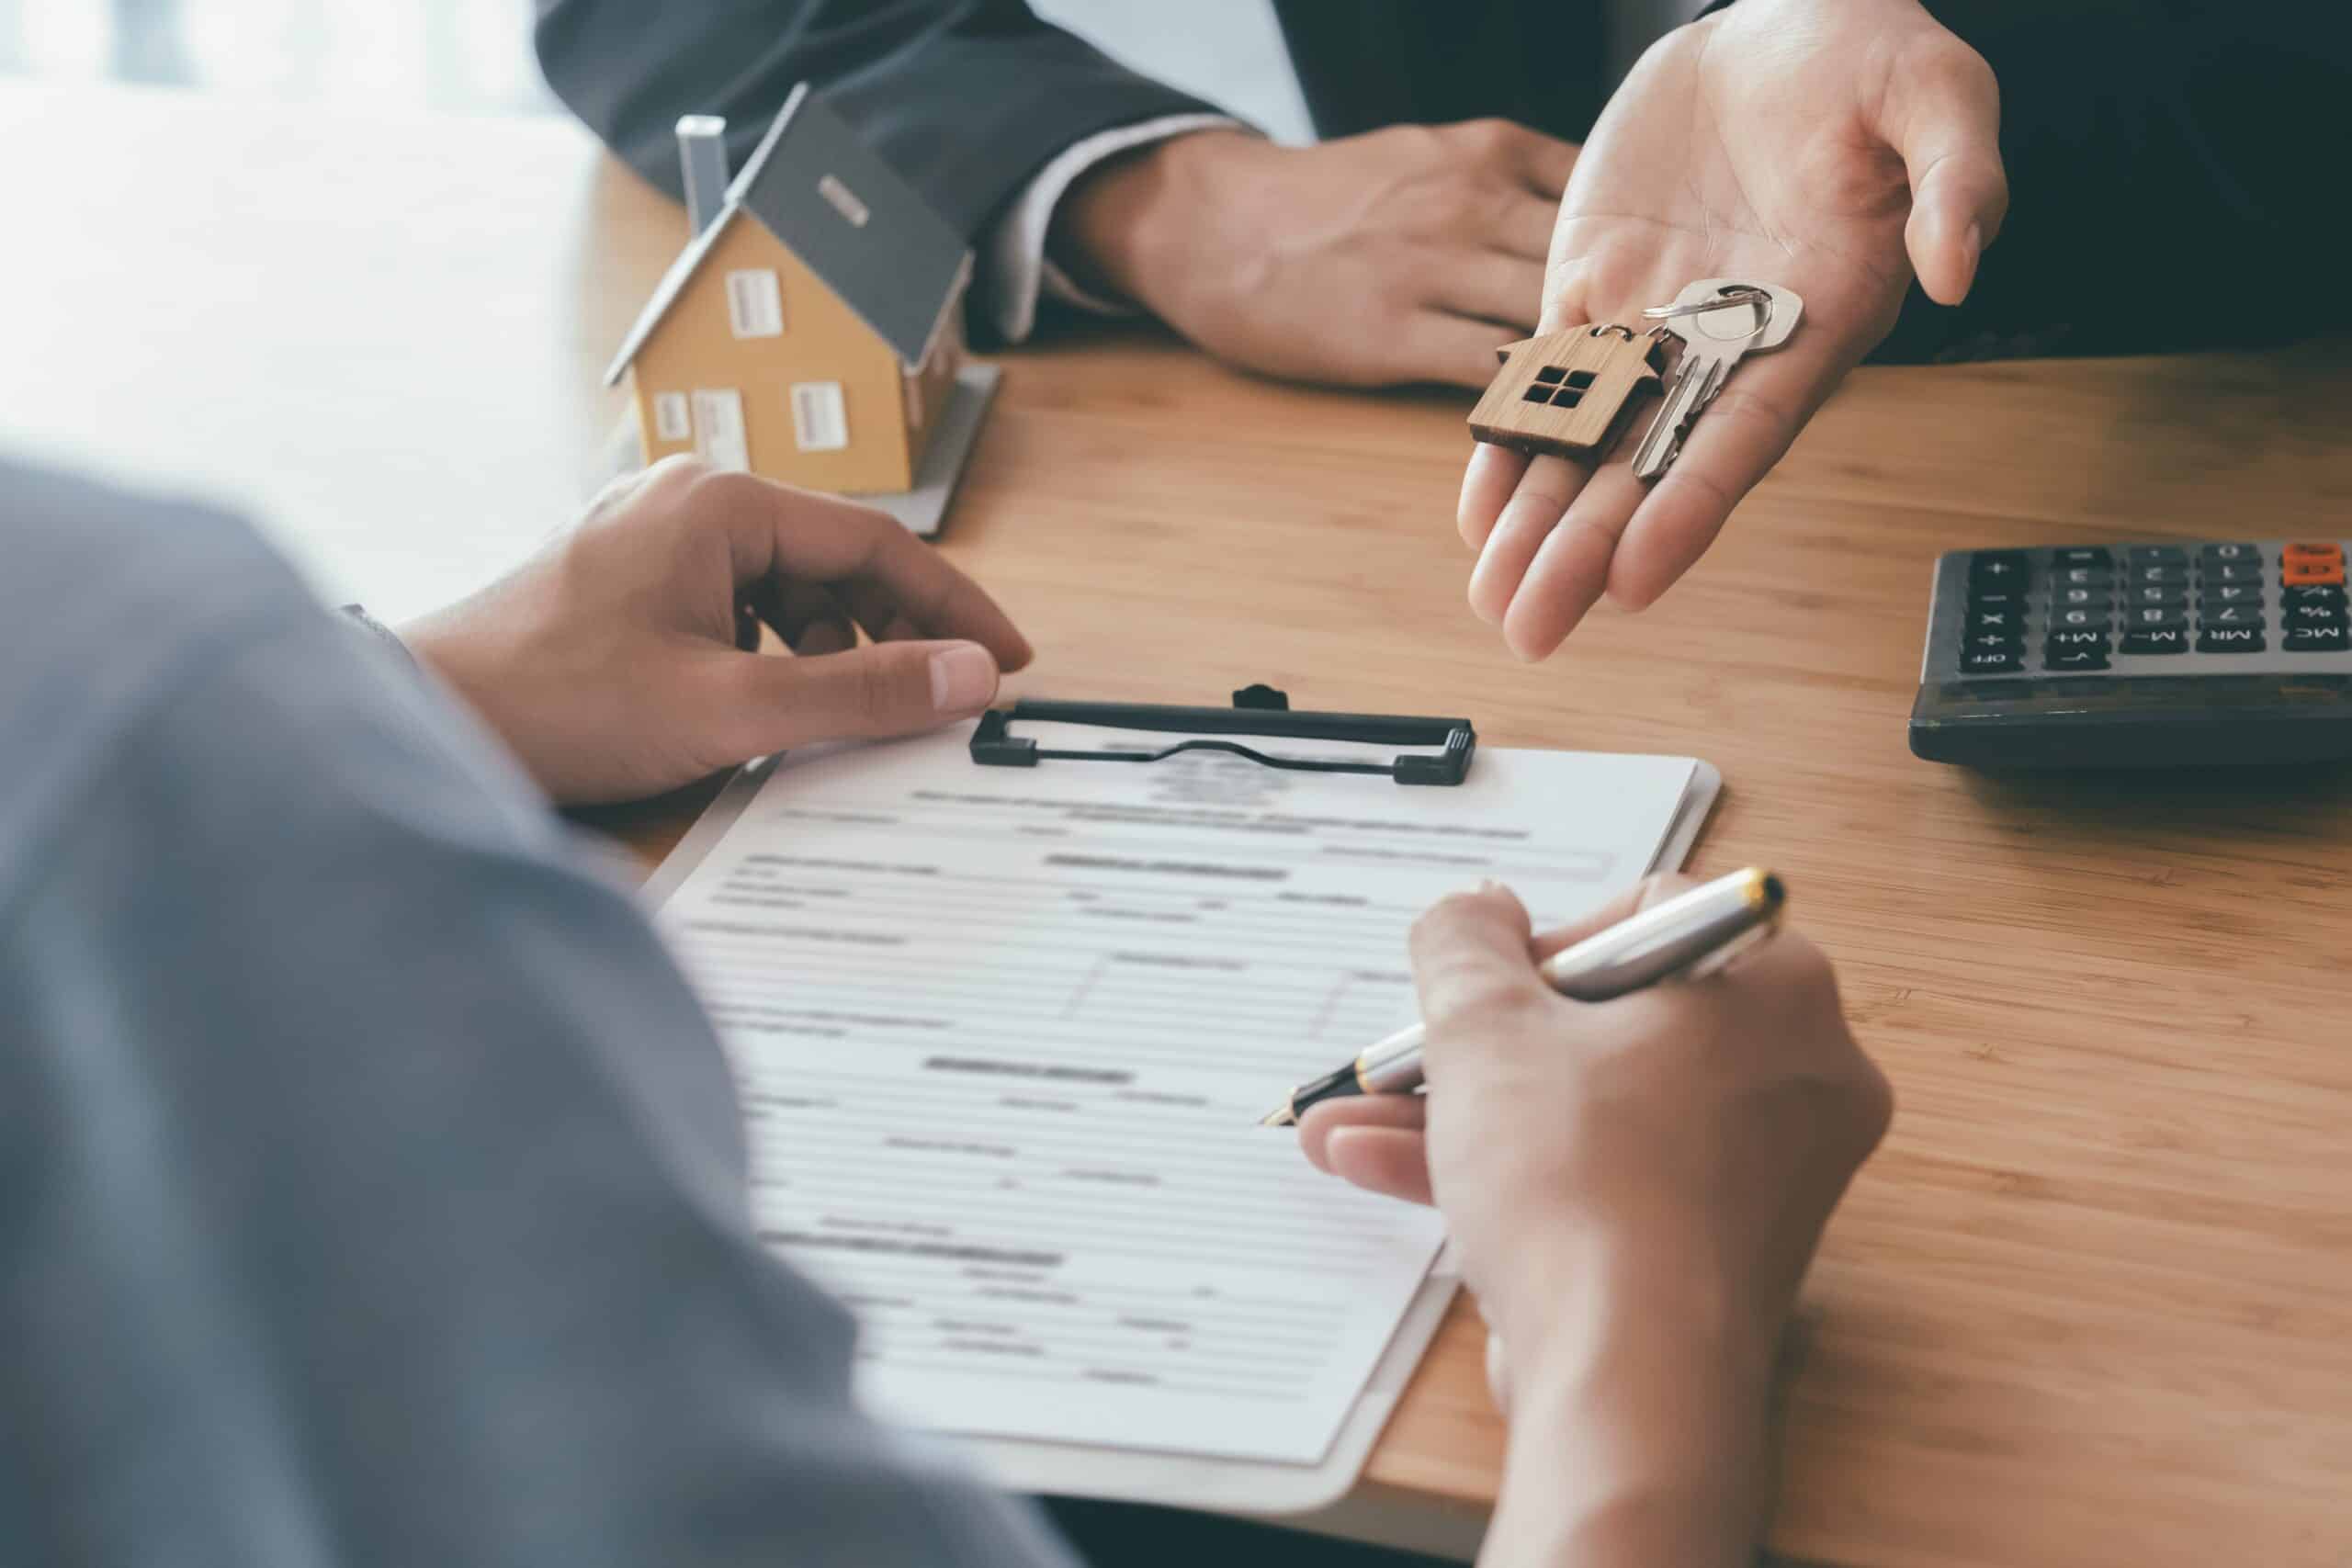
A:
811, 331
1565, 392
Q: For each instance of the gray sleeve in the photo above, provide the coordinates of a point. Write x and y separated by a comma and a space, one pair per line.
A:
371, 1189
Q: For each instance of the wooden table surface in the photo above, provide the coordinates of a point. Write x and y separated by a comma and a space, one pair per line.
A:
2092, 1302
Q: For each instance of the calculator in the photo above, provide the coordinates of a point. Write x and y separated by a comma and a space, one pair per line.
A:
2144, 655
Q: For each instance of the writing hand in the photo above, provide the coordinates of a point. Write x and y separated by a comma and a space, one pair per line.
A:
622, 659
1835, 147
1634, 1189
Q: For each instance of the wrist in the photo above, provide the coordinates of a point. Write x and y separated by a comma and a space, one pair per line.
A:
1637, 1386
440, 643
1142, 225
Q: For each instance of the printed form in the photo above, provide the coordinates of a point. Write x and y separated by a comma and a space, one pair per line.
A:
1002, 1036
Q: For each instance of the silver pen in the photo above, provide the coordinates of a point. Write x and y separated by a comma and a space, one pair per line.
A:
1687, 936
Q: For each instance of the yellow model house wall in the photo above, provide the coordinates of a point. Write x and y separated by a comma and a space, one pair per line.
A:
823, 340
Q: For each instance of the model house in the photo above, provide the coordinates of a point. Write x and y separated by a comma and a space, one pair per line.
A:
811, 330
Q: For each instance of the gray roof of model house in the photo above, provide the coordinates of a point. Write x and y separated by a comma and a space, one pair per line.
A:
828, 198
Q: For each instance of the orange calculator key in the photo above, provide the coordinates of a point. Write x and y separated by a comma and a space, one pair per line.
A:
2313, 573
2323, 553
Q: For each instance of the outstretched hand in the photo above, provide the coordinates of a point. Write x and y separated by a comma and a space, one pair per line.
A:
1835, 147
623, 660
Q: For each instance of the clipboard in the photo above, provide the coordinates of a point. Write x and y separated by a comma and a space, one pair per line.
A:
1313, 1494
1174, 1479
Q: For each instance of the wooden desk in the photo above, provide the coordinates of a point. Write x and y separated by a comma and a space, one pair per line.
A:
2093, 1302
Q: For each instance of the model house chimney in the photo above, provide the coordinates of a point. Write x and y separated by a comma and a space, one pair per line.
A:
702, 156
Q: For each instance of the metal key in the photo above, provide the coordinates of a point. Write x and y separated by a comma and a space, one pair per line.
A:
1751, 318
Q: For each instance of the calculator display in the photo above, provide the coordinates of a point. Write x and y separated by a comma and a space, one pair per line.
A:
2172, 653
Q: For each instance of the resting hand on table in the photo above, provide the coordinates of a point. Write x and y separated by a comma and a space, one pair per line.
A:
1403, 254
1634, 1189
622, 659
1835, 147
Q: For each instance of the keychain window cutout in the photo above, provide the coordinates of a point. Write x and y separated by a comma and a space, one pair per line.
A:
1560, 386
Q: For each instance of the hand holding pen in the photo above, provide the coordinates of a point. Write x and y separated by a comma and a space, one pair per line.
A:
1634, 1188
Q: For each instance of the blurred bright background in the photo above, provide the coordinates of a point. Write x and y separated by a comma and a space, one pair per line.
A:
476, 54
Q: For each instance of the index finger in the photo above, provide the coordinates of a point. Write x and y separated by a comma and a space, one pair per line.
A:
1472, 966
774, 530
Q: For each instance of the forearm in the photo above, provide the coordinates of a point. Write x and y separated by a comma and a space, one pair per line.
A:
1637, 1423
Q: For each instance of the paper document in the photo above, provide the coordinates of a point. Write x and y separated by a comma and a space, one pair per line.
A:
1003, 1035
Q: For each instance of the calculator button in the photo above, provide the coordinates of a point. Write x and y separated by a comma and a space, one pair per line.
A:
2231, 552
2232, 592
2075, 650
2158, 572
2318, 552
2081, 617
2156, 639
2083, 576
2141, 554
2316, 612
2168, 596
1992, 661
2311, 594
2314, 639
2313, 573
2230, 639
2249, 572
2230, 615
1992, 567
2081, 556
2143, 616
2097, 598
2001, 622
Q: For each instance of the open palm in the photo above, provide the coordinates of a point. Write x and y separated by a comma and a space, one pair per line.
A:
1832, 147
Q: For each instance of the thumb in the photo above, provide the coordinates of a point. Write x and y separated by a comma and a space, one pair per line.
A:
883, 689
1942, 113
1472, 962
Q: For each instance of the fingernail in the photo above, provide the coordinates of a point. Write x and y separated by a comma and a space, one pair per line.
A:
962, 678
1973, 245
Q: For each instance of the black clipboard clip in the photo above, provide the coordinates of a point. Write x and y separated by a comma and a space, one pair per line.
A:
1256, 710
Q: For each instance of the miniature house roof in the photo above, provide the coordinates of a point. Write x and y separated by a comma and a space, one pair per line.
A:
851, 219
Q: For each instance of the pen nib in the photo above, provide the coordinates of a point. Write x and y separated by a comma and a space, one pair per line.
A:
1280, 1116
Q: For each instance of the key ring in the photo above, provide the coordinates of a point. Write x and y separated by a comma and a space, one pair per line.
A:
1761, 299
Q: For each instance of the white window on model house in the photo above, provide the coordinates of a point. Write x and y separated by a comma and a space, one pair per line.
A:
820, 421
671, 421
754, 304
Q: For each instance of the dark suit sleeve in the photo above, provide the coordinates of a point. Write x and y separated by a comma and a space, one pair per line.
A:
2166, 159
966, 98
2166, 164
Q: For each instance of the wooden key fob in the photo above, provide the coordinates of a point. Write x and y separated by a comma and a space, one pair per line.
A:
1565, 392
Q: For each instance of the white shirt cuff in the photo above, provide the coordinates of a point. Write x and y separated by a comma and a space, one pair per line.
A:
1018, 269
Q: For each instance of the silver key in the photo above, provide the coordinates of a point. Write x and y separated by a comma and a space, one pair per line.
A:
1753, 317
